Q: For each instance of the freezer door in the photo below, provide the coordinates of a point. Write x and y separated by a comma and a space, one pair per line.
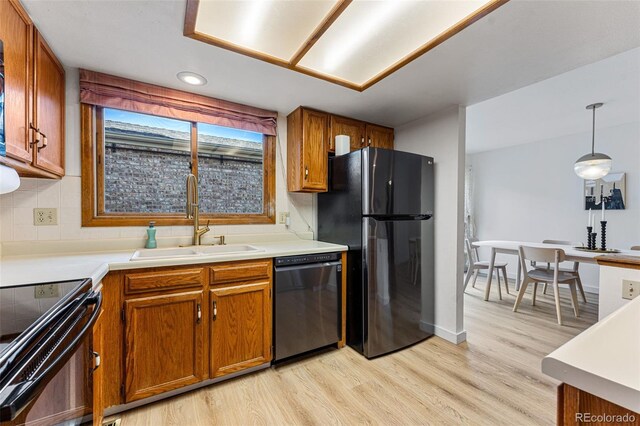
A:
396, 183
397, 284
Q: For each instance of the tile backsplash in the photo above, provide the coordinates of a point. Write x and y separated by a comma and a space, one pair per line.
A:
16, 216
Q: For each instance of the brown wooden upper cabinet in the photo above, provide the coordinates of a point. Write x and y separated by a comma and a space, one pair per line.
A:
307, 144
16, 32
34, 97
379, 137
311, 135
356, 130
48, 109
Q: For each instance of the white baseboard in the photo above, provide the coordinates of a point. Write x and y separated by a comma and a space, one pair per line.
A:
455, 338
587, 288
592, 290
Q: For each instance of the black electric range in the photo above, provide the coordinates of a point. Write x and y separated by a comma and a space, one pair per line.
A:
46, 356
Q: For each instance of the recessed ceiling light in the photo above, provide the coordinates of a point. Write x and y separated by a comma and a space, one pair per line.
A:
192, 78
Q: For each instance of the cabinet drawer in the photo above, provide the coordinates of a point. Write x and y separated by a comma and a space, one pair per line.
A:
145, 282
239, 271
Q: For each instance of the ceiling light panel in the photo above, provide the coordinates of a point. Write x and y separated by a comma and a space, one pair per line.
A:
273, 27
370, 37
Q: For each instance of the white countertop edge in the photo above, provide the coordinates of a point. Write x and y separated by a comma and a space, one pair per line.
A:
99, 273
599, 386
603, 359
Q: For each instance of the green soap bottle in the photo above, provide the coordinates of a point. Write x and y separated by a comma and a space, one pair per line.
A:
151, 236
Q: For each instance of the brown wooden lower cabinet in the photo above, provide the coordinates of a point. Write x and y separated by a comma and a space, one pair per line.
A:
240, 327
164, 343
166, 328
98, 373
577, 407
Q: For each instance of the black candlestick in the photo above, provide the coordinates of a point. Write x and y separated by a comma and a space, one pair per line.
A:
589, 229
593, 240
603, 235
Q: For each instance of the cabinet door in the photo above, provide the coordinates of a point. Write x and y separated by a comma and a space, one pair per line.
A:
16, 34
164, 343
315, 127
48, 108
345, 126
241, 327
98, 375
379, 137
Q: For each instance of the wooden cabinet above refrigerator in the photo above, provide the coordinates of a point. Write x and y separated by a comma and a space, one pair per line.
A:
311, 138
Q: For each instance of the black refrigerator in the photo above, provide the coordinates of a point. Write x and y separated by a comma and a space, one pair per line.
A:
380, 203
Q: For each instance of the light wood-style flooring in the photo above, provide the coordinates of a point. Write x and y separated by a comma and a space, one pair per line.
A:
494, 378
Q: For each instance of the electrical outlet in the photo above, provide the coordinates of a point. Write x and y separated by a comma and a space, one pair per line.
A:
630, 289
282, 219
46, 291
45, 217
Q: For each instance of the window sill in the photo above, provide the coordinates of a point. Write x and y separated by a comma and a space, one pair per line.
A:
172, 220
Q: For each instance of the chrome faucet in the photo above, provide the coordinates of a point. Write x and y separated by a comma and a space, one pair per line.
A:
193, 209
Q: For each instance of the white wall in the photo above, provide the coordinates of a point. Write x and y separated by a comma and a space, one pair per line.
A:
16, 209
530, 192
611, 284
442, 136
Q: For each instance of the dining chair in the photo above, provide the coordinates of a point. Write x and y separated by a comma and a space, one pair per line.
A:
554, 276
635, 247
573, 269
475, 265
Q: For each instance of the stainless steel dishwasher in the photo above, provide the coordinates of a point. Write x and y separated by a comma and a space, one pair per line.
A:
307, 303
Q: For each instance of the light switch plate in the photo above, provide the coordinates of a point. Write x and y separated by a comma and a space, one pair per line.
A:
282, 219
630, 289
45, 217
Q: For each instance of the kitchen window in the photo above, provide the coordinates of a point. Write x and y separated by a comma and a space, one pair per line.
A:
135, 166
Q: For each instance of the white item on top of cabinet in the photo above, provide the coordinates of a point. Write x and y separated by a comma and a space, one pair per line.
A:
343, 143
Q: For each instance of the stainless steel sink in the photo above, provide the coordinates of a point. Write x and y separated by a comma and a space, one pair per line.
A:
193, 251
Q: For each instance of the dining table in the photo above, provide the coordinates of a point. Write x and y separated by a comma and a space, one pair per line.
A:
572, 254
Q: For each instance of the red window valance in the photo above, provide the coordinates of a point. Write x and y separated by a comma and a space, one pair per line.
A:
116, 92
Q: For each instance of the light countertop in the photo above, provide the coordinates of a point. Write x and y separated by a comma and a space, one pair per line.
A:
604, 360
29, 269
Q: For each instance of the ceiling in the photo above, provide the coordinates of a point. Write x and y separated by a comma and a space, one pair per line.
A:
520, 43
354, 43
556, 107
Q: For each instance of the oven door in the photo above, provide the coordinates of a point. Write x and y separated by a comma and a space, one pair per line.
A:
52, 382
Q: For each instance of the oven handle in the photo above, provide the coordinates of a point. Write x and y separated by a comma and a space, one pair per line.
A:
26, 391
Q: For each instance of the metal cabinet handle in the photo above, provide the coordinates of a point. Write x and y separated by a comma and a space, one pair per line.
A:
37, 141
369, 141
44, 141
306, 172
362, 141
215, 310
37, 132
96, 357
198, 314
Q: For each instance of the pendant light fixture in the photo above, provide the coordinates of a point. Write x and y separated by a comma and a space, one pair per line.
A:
594, 165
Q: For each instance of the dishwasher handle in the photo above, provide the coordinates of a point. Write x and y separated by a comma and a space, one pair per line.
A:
337, 263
